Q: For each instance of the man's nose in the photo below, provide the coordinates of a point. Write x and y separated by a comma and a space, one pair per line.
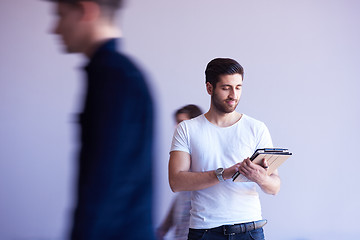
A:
54, 29
233, 93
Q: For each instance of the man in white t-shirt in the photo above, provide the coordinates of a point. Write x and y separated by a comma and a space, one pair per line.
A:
206, 152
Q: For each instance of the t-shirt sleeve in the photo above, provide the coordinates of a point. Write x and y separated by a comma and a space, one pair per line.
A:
264, 137
180, 141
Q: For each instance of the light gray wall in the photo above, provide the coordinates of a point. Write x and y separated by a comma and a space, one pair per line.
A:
301, 61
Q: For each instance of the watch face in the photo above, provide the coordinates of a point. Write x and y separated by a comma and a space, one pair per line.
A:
219, 174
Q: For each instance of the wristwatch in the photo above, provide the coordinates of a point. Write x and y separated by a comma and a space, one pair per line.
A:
219, 174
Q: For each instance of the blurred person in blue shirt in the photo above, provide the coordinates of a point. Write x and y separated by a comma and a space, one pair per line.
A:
114, 188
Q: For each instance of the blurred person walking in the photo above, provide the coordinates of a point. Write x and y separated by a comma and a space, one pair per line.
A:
178, 217
114, 188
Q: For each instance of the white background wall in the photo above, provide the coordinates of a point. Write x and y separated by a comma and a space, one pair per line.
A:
302, 68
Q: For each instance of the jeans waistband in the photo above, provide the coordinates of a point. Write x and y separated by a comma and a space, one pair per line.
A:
240, 228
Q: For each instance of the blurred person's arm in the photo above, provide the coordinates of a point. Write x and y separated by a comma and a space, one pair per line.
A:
181, 179
167, 223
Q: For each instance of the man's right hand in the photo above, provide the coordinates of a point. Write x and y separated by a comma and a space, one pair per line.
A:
229, 172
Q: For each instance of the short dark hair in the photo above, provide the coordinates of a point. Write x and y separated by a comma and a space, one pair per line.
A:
104, 3
222, 66
191, 109
108, 7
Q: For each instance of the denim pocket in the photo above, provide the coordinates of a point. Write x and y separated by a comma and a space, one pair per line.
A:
257, 234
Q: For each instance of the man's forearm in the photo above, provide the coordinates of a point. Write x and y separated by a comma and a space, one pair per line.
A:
192, 181
271, 184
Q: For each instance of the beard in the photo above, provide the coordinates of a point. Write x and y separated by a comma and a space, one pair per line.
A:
221, 105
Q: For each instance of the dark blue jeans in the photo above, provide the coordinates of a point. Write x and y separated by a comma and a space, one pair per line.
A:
218, 234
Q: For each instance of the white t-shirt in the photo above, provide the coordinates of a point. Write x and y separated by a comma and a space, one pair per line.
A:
211, 147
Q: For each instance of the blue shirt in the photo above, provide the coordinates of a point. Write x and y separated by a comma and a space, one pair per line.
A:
115, 174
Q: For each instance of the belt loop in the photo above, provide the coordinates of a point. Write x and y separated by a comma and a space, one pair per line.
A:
254, 224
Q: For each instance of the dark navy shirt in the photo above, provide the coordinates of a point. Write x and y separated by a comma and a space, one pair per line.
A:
115, 164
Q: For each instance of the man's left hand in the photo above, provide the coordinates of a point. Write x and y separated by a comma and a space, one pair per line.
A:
254, 172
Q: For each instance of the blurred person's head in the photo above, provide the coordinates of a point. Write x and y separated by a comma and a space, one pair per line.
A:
82, 25
187, 112
221, 66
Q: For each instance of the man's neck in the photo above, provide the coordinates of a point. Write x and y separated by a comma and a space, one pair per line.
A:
222, 119
99, 35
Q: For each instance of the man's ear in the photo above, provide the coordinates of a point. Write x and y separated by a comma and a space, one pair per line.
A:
209, 88
91, 10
